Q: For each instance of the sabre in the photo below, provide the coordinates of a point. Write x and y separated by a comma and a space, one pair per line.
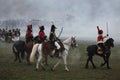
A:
107, 28
60, 32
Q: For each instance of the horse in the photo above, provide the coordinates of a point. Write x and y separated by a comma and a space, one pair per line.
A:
92, 50
18, 49
45, 51
21, 47
28, 49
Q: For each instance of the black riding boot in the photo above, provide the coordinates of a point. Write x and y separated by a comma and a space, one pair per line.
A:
103, 49
56, 54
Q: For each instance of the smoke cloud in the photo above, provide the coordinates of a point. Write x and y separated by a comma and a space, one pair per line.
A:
78, 17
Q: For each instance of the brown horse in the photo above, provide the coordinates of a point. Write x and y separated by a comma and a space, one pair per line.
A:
28, 49
48, 47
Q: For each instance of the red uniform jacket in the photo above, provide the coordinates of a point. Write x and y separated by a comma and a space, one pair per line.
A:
100, 39
41, 35
29, 34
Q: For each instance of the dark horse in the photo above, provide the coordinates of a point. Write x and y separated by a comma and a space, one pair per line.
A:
92, 50
20, 47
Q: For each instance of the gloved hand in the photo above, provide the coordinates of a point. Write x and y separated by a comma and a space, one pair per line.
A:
107, 35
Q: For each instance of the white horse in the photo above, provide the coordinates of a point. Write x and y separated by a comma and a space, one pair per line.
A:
70, 42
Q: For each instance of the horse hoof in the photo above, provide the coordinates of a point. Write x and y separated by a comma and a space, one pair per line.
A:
67, 70
29, 64
15, 60
94, 67
52, 69
51, 56
109, 67
36, 69
86, 67
44, 69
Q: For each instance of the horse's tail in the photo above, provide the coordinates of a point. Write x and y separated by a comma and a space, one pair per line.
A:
14, 49
34, 51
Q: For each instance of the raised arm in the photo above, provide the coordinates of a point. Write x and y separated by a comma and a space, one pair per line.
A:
98, 28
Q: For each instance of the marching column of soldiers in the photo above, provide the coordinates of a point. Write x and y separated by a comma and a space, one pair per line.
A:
9, 35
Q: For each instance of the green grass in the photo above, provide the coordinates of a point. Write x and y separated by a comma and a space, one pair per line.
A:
10, 70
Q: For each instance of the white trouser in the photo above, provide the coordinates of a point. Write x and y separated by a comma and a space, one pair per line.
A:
16, 38
57, 45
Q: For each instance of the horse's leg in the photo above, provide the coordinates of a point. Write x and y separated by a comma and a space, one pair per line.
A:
108, 63
104, 61
39, 61
22, 54
19, 57
42, 65
46, 60
91, 59
56, 64
65, 62
86, 66
15, 56
28, 58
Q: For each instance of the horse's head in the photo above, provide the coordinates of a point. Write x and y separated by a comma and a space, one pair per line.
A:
73, 42
110, 42
70, 42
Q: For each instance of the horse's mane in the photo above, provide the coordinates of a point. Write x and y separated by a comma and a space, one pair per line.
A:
108, 41
68, 40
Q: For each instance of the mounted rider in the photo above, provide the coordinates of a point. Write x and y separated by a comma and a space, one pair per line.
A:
54, 40
29, 34
100, 41
41, 34
41, 37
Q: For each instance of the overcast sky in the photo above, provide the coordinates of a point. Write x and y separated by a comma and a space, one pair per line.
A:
78, 17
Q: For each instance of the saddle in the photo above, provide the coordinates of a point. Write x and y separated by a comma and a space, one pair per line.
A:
48, 47
37, 39
99, 50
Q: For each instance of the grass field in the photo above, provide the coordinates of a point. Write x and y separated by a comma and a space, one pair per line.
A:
10, 70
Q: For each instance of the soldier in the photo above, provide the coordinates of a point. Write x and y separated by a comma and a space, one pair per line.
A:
29, 35
41, 33
54, 40
100, 39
